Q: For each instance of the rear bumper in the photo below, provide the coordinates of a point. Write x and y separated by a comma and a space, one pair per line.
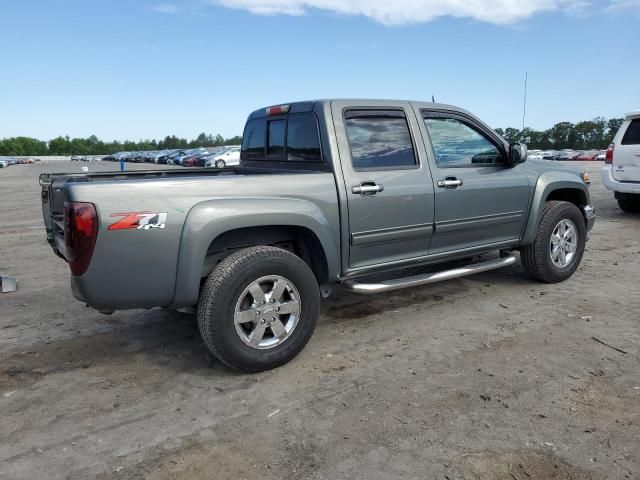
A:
616, 186
76, 291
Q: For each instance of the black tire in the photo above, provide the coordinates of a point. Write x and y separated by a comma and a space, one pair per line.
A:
628, 202
220, 164
536, 258
222, 290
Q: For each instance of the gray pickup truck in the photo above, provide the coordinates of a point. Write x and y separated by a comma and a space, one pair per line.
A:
349, 192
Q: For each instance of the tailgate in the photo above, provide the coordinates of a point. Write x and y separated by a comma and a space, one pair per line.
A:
52, 198
626, 154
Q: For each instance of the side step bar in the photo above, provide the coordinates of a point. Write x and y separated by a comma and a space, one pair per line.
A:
416, 280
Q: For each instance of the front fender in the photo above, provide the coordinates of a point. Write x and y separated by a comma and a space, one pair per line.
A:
546, 184
210, 219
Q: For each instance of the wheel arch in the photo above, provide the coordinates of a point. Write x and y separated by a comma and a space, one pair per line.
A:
554, 185
297, 239
214, 229
571, 195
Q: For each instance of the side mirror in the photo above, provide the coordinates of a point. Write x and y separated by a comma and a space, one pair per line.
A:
517, 153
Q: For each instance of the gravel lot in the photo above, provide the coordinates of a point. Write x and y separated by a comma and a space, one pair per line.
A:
488, 377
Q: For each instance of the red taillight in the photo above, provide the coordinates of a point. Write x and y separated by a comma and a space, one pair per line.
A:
80, 232
608, 157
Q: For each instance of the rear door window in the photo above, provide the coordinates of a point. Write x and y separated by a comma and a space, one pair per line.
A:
379, 140
632, 135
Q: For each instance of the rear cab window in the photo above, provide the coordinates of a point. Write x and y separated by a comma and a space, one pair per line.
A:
276, 141
253, 140
291, 138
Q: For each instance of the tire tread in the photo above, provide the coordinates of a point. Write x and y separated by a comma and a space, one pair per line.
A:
214, 288
533, 257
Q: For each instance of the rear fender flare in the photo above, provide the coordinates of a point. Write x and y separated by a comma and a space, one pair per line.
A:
208, 220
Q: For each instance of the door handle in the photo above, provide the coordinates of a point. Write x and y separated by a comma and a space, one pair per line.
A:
367, 188
450, 183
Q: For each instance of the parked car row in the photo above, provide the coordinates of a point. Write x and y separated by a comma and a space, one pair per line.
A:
86, 158
567, 154
8, 161
218, 157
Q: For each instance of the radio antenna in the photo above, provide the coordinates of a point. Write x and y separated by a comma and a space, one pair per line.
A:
524, 102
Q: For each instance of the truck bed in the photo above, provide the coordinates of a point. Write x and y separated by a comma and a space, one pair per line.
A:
53, 192
53, 197
140, 266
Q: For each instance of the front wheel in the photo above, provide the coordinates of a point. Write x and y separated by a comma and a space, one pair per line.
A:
220, 164
258, 308
559, 244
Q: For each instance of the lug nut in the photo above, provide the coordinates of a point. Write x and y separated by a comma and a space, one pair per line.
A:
262, 321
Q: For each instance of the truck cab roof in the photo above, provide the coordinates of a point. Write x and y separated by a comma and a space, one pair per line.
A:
311, 105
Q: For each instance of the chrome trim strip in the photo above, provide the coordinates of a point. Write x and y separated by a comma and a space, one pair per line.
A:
478, 222
391, 234
416, 280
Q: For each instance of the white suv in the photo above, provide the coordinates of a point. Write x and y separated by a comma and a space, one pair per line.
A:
621, 172
230, 156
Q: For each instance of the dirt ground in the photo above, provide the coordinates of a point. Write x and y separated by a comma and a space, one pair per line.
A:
490, 377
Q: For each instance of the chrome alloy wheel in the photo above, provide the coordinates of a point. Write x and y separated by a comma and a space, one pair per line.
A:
267, 312
564, 243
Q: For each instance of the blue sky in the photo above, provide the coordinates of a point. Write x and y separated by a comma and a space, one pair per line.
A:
131, 70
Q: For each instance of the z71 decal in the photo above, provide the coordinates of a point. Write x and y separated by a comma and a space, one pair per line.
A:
139, 220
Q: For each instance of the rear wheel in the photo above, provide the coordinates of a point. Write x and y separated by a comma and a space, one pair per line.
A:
628, 202
220, 164
258, 308
559, 244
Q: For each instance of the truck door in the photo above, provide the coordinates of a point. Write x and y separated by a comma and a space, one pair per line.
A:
480, 200
387, 180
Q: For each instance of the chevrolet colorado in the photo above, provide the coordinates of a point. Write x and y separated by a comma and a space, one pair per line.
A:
328, 192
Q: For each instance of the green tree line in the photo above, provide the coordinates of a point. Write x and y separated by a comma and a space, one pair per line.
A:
591, 134
594, 134
25, 146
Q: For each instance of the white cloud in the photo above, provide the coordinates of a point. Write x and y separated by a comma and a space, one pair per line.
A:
398, 12
616, 6
165, 8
